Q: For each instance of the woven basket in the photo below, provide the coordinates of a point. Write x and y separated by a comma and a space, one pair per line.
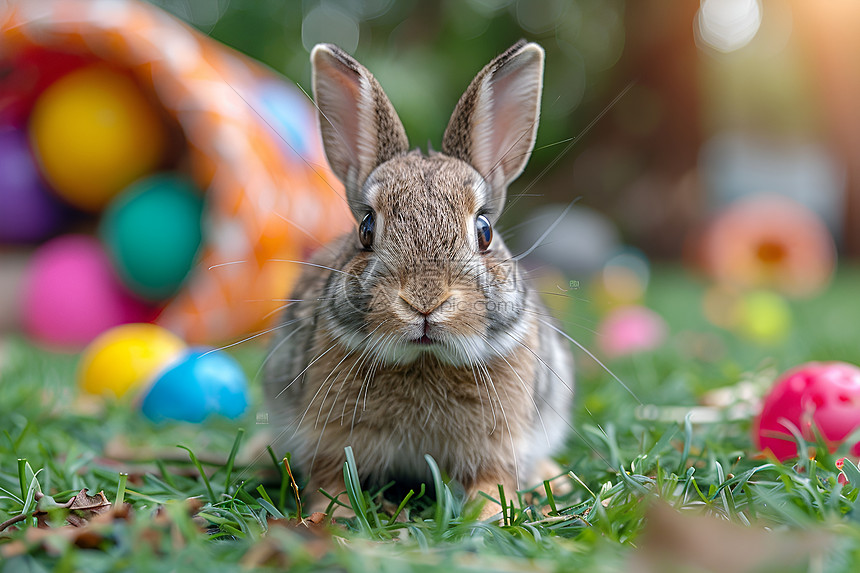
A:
270, 197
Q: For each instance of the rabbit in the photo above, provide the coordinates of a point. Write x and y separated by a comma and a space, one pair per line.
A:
416, 333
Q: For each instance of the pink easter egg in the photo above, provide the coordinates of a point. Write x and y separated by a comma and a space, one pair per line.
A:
631, 329
71, 294
823, 395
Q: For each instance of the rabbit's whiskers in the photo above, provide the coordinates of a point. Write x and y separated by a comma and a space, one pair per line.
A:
365, 351
307, 233
593, 357
310, 264
347, 377
333, 370
481, 369
502, 410
247, 338
571, 142
305, 369
281, 342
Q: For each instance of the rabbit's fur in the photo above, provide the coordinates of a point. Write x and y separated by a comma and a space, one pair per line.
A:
489, 398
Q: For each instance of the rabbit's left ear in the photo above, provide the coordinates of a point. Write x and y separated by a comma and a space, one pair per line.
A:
494, 125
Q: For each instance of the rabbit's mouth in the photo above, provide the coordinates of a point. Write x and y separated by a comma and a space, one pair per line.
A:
425, 339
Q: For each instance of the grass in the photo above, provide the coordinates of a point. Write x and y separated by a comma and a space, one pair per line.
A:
188, 509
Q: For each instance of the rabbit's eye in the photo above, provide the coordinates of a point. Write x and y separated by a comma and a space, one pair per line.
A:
485, 233
365, 231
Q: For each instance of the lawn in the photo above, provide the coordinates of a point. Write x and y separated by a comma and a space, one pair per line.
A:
211, 498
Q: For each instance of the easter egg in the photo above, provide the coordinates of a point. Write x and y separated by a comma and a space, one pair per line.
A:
125, 358
631, 329
285, 111
71, 294
825, 395
28, 212
763, 317
95, 132
152, 233
204, 382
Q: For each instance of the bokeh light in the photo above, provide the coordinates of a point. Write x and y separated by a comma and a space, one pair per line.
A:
727, 25
325, 23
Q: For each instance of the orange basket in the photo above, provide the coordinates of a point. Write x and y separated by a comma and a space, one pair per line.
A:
270, 196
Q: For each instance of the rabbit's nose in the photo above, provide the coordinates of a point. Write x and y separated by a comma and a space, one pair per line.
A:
422, 305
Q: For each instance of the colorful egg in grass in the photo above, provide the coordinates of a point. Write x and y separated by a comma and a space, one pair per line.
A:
94, 132
71, 294
126, 357
152, 233
763, 317
202, 383
28, 211
285, 111
820, 395
630, 329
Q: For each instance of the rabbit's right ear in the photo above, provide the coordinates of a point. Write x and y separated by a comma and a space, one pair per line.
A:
359, 126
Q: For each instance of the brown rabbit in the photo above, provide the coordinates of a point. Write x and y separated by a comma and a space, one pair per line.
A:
417, 334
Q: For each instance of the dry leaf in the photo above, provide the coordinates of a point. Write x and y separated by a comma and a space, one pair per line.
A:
87, 536
84, 507
675, 541
268, 552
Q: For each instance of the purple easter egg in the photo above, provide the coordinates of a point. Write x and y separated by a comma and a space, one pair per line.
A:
28, 212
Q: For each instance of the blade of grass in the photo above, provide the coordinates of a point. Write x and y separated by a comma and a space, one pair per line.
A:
268, 506
120, 490
22, 477
401, 506
165, 475
503, 503
688, 440
295, 486
199, 466
232, 458
550, 498
444, 499
354, 492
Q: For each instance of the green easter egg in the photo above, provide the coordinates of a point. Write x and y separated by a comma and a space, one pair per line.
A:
152, 233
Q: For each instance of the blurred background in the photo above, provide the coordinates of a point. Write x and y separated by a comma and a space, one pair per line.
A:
721, 135
725, 98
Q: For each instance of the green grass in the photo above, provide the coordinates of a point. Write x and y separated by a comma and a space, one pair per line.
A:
622, 461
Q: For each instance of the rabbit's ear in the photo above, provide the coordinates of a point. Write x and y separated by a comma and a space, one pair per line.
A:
359, 126
494, 125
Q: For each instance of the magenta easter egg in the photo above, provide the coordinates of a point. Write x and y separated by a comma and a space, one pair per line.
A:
824, 395
71, 294
631, 329
28, 212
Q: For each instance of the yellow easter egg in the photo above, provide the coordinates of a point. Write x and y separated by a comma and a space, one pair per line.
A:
125, 357
764, 317
94, 132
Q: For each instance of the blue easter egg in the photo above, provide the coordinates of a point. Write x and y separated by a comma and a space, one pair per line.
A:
286, 111
202, 383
